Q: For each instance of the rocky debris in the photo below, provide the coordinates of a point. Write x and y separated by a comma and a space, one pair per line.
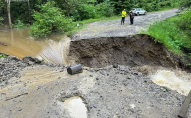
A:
32, 61
124, 93
107, 92
12, 66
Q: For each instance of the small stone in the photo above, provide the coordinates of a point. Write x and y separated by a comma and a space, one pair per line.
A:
115, 66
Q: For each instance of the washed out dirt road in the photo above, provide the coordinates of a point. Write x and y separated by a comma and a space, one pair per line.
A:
115, 29
109, 92
29, 88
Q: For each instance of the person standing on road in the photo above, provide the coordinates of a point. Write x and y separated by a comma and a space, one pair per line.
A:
123, 16
131, 17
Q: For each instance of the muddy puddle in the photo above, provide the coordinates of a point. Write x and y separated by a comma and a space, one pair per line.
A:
176, 80
76, 107
20, 44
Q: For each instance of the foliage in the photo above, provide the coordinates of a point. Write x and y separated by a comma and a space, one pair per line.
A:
1, 19
91, 10
48, 20
19, 24
149, 5
2, 55
168, 33
185, 21
2, 6
185, 3
86, 11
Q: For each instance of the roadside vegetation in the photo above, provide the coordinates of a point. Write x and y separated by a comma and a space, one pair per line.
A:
69, 16
2, 55
174, 33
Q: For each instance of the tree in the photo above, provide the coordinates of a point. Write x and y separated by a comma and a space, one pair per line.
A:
49, 19
9, 14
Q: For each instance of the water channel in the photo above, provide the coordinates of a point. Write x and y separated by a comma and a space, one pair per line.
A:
20, 44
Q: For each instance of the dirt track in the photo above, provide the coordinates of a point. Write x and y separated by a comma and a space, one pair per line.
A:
115, 29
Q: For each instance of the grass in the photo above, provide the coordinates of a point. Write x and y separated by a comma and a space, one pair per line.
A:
168, 33
2, 55
174, 38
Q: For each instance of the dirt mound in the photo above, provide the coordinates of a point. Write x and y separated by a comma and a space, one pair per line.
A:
137, 50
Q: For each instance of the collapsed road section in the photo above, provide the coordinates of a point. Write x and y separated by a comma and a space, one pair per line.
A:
114, 91
137, 50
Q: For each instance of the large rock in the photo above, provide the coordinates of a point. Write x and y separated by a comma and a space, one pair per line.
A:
32, 61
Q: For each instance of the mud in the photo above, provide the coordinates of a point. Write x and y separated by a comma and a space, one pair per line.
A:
1, 43
137, 50
106, 92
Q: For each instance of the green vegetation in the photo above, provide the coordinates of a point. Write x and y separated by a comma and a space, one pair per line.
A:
1, 19
19, 24
48, 20
174, 33
50, 16
2, 55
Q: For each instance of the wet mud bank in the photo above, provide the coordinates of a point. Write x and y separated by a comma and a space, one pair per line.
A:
109, 92
135, 50
31, 88
11, 67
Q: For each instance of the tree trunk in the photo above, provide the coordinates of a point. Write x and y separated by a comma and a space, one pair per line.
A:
29, 12
9, 14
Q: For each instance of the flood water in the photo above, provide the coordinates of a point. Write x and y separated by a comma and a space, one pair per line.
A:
76, 107
177, 80
20, 44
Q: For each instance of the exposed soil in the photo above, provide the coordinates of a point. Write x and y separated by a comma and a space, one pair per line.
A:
137, 50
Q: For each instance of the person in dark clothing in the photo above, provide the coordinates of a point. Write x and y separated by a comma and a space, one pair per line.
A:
131, 17
123, 17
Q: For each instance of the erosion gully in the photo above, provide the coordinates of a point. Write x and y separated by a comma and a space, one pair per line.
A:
20, 44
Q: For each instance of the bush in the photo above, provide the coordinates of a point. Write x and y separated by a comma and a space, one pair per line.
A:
168, 33
90, 10
86, 11
1, 19
49, 19
2, 55
104, 9
19, 24
185, 21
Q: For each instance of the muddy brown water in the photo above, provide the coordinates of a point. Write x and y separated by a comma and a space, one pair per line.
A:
74, 105
20, 44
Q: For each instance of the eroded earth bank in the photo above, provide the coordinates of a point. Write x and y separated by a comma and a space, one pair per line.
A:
115, 82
